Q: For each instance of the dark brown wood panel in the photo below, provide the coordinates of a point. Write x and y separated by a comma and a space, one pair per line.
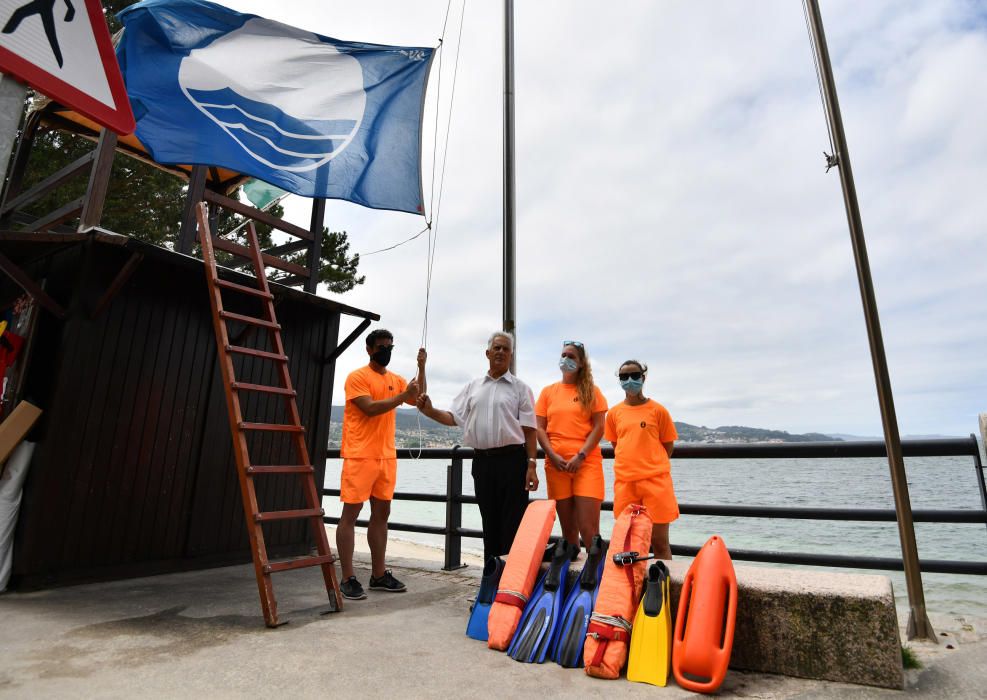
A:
134, 472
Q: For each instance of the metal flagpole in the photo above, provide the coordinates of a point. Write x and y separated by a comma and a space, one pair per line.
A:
509, 214
918, 620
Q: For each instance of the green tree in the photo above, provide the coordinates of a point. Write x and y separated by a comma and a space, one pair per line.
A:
146, 202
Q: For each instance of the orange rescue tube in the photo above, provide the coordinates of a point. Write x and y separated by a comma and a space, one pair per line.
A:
520, 572
609, 629
706, 619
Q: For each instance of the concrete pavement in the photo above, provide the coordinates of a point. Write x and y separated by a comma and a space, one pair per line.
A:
202, 632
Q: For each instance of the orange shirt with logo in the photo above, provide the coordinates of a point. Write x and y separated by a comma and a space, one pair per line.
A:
567, 423
639, 432
370, 436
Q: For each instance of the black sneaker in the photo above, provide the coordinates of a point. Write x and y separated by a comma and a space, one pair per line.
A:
351, 589
387, 583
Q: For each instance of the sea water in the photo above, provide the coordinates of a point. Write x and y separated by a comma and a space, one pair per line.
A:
933, 482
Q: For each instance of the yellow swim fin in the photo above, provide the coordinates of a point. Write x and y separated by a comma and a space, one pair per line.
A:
651, 635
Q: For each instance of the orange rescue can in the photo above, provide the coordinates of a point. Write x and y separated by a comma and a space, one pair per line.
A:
520, 572
706, 620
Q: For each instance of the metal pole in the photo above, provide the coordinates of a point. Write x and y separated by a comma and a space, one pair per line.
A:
509, 213
12, 96
454, 513
918, 620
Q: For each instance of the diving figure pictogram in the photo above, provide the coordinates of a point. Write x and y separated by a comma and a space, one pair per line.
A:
45, 9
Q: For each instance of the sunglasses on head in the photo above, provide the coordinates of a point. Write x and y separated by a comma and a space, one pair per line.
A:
575, 343
624, 376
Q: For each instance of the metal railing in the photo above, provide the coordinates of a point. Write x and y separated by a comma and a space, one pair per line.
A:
453, 531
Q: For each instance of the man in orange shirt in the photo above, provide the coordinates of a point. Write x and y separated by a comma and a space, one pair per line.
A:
643, 437
370, 460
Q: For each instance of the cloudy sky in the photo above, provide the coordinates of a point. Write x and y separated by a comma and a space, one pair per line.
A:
673, 205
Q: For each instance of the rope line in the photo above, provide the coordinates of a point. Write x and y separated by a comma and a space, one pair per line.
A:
433, 235
435, 202
832, 158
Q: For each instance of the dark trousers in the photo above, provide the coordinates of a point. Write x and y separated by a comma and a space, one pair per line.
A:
499, 482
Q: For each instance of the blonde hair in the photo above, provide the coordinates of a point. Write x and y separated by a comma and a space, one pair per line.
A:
584, 380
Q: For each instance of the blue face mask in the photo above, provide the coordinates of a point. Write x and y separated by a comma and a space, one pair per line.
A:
632, 386
567, 364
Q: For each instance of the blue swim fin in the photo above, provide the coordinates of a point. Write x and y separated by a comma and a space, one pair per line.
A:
539, 621
568, 648
476, 628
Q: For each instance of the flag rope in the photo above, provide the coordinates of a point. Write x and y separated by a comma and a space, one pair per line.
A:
435, 203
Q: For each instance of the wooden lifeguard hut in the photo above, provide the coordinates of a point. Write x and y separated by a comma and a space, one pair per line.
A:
133, 471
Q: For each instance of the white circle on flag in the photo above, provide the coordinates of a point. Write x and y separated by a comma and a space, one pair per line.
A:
267, 69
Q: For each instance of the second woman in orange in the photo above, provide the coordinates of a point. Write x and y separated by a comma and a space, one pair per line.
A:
570, 418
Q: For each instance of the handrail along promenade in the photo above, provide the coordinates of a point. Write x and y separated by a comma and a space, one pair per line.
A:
453, 531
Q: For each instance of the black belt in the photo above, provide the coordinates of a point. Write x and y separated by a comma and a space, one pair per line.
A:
506, 449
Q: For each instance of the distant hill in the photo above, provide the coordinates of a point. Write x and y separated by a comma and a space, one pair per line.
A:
407, 433
434, 434
740, 433
852, 438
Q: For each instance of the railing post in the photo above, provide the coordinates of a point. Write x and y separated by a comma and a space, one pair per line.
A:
978, 466
454, 513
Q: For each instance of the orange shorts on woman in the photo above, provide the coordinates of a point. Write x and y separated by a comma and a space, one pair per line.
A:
587, 481
655, 493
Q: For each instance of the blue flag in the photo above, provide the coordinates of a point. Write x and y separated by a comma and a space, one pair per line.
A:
315, 116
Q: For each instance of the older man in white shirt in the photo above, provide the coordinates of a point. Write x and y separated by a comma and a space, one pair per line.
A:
497, 415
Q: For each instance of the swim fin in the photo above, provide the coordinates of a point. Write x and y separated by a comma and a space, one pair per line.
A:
536, 630
651, 636
568, 648
476, 628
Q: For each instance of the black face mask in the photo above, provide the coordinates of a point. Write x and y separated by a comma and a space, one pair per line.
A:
382, 357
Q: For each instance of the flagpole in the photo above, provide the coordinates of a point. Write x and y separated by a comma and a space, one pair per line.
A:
509, 212
918, 620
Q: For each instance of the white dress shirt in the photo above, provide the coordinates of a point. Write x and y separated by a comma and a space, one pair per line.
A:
492, 412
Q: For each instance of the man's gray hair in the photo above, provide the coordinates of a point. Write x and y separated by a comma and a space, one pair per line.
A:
500, 334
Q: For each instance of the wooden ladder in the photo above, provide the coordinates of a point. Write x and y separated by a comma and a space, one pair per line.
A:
246, 471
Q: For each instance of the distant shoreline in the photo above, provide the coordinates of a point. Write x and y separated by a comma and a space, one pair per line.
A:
416, 430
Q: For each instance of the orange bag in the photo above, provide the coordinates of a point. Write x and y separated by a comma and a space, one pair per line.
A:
520, 572
706, 619
609, 628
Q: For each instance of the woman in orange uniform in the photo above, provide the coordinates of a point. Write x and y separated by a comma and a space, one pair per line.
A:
643, 437
570, 417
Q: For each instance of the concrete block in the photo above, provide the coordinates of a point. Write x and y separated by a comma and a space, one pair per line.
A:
811, 624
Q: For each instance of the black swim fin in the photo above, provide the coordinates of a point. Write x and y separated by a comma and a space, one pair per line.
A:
568, 648
536, 631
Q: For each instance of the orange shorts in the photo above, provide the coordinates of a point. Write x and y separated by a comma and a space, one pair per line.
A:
654, 493
586, 481
365, 477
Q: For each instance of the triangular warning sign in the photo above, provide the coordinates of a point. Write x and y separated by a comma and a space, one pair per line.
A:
66, 55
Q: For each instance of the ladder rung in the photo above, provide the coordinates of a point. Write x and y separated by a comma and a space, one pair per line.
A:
249, 319
243, 386
273, 427
256, 353
289, 514
281, 469
246, 290
299, 563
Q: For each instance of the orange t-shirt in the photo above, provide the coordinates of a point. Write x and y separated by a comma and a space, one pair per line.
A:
370, 436
568, 424
639, 432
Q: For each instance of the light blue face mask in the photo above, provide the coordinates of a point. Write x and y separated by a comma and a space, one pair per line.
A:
567, 364
632, 386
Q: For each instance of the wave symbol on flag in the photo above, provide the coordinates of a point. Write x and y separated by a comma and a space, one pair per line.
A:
295, 102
